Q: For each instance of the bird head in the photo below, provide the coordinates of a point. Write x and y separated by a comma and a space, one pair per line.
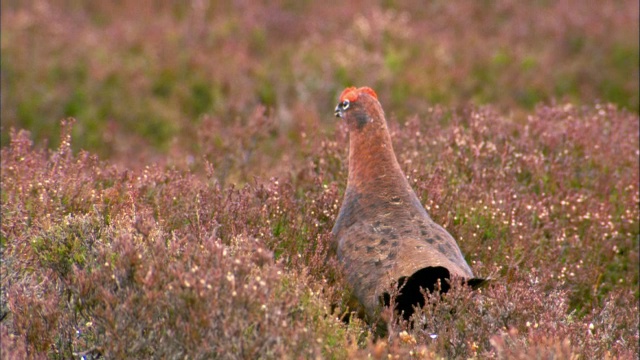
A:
358, 106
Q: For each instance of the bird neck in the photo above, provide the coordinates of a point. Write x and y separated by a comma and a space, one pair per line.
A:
372, 162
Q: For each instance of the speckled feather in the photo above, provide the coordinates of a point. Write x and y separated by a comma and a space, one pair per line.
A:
383, 232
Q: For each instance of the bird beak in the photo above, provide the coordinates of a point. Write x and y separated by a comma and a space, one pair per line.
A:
338, 111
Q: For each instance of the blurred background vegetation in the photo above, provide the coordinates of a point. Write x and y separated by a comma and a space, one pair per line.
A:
141, 77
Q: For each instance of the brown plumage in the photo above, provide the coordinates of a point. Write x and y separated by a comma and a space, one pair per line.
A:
383, 233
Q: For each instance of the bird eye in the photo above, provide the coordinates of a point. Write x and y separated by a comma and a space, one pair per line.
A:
344, 105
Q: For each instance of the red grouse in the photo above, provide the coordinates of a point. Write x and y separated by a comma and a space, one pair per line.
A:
383, 233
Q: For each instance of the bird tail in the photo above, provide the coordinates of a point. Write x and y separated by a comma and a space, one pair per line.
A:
477, 283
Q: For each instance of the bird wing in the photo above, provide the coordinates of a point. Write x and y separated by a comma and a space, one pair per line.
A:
376, 254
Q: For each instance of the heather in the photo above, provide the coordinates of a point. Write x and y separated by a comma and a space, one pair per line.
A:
186, 210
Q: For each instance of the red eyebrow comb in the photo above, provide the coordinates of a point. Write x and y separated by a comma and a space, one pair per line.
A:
352, 93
